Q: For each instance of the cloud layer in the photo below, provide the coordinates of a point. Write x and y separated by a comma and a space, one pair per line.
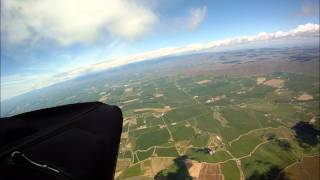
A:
74, 21
306, 30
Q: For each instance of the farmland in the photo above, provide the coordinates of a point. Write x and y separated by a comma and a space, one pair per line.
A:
246, 119
247, 124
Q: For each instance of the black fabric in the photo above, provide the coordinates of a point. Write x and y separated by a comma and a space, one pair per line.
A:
12, 129
79, 140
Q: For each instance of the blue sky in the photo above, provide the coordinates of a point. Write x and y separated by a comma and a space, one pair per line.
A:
43, 39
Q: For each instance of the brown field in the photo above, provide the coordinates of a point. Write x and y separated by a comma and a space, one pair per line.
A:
124, 135
308, 169
158, 163
305, 97
122, 164
146, 168
276, 83
194, 168
211, 172
260, 80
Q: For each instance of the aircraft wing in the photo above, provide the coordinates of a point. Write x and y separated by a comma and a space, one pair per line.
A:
76, 141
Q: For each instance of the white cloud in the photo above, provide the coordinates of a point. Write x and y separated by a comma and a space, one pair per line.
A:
196, 17
12, 89
306, 29
300, 31
74, 21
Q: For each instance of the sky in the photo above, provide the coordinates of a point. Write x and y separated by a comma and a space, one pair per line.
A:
45, 42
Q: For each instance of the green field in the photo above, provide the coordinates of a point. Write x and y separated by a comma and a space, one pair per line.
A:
245, 145
239, 121
166, 152
248, 110
254, 122
145, 154
230, 170
270, 154
131, 171
181, 132
200, 140
200, 156
152, 138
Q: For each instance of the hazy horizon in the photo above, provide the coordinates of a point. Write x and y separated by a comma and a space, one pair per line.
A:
45, 42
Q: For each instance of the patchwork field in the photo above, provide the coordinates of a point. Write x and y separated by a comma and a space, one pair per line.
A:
246, 121
249, 118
